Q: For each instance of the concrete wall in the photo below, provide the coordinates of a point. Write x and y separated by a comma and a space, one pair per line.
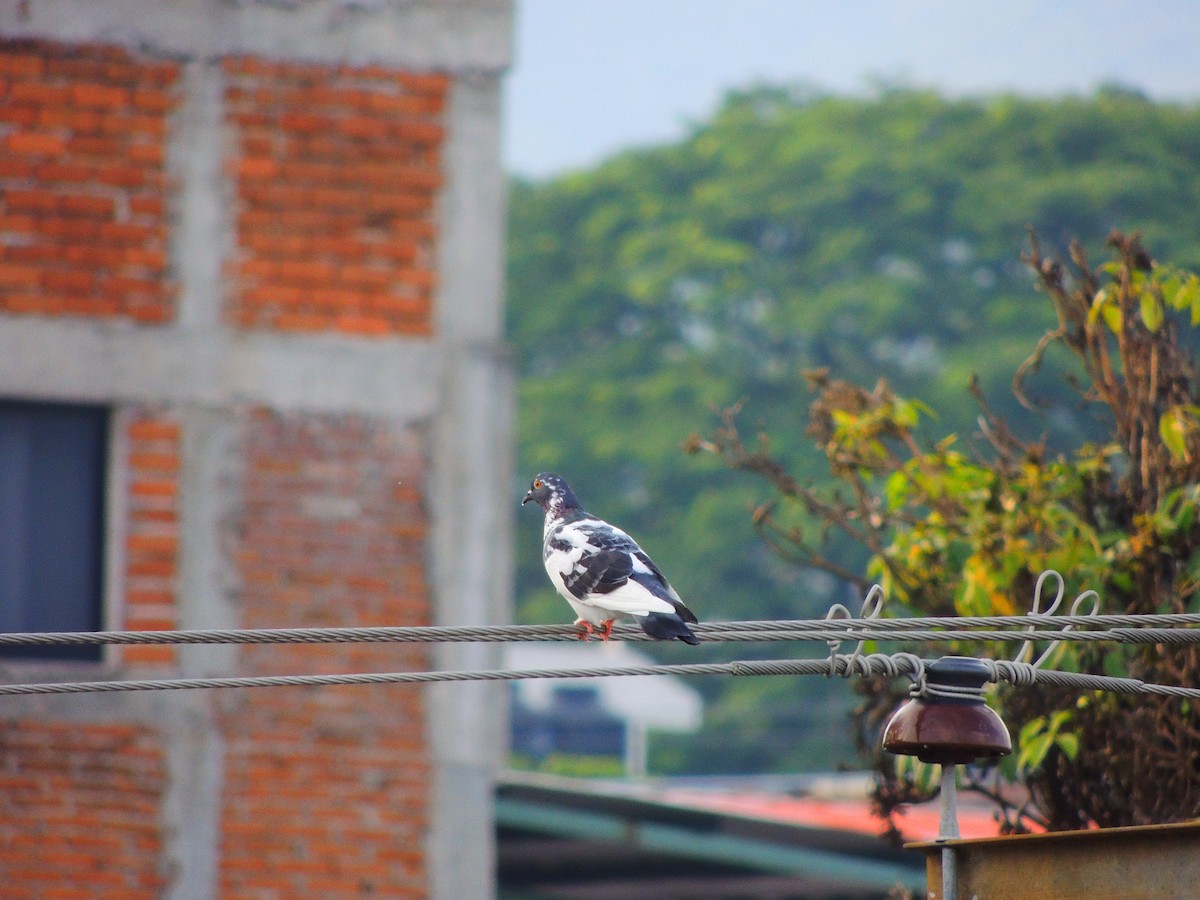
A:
213, 394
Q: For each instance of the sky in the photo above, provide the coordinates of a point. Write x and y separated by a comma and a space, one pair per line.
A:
592, 77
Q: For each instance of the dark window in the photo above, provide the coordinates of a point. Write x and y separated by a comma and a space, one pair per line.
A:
52, 468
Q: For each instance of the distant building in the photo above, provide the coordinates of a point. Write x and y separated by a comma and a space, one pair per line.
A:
611, 716
574, 724
251, 375
594, 839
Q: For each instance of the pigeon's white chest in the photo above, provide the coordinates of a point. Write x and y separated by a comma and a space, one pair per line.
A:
562, 562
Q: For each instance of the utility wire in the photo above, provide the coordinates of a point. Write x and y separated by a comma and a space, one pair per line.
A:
1162, 628
841, 664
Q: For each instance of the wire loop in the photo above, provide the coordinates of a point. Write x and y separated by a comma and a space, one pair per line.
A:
1027, 648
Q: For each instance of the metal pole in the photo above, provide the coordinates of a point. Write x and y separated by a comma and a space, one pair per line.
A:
948, 831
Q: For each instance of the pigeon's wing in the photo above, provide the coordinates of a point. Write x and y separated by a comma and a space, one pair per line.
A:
603, 567
656, 583
653, 571
601, 572
645, 571
648, 574
602, 536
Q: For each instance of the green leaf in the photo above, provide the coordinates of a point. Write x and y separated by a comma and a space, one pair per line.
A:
1188, 297
1030, 729
1152, 312
1033, 752
1103, 296
1112, 317
1173, 432
1069, 744
1105, 305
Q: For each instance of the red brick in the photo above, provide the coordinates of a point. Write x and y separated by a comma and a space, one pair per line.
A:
144, 256
94, 146
32, 143
404, 307
421, 278
152, 543
154, 488
375, 279
363, 127
69, 229
120, 175
150, 315
142, 125
101, 96
306, 122
36, 93
11, 275
81, 122
152, 100
15, 168
68, 281
96, 307
146, 153
148, 206
277, 295
365, 325
419, 132
415, 328
16, 223
150, 568
257, 167
72, 172
22, 116
21, 65
300, 322
433, 83
89, 205
32, 201
153, 430
126, 286
406, 105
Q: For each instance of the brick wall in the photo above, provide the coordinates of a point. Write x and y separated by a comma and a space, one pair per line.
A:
332, 534
79, 811
152, 536
337, 170
82, 213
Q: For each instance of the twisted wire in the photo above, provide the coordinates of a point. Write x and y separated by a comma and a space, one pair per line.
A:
872, 664
1160, 628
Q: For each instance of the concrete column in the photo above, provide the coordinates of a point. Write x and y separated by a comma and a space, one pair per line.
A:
472, 502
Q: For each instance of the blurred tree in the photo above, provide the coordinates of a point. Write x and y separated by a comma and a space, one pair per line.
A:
795, 230
954, 530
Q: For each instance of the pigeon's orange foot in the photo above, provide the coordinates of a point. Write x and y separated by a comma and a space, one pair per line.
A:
606, 628
585, 629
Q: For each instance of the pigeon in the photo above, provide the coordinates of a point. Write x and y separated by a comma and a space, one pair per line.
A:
602, 572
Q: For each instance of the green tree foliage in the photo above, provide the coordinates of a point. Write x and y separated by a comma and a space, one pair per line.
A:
872, 237
958, 532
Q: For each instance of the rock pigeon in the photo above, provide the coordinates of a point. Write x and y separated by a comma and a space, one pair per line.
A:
601, 571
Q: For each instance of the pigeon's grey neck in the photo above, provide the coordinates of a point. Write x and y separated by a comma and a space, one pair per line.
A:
558, 510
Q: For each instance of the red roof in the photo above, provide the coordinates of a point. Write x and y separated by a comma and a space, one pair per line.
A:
916, 823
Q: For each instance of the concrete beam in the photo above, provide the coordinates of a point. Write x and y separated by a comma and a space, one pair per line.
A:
446, 35
113, 363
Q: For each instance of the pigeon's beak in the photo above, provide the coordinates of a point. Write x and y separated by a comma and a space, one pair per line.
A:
528, 497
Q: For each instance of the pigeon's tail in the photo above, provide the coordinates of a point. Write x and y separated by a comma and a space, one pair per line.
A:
667, 626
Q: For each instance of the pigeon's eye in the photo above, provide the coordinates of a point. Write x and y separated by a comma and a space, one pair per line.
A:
537, 483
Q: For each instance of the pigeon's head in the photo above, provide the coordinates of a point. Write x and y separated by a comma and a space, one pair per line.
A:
551, 493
